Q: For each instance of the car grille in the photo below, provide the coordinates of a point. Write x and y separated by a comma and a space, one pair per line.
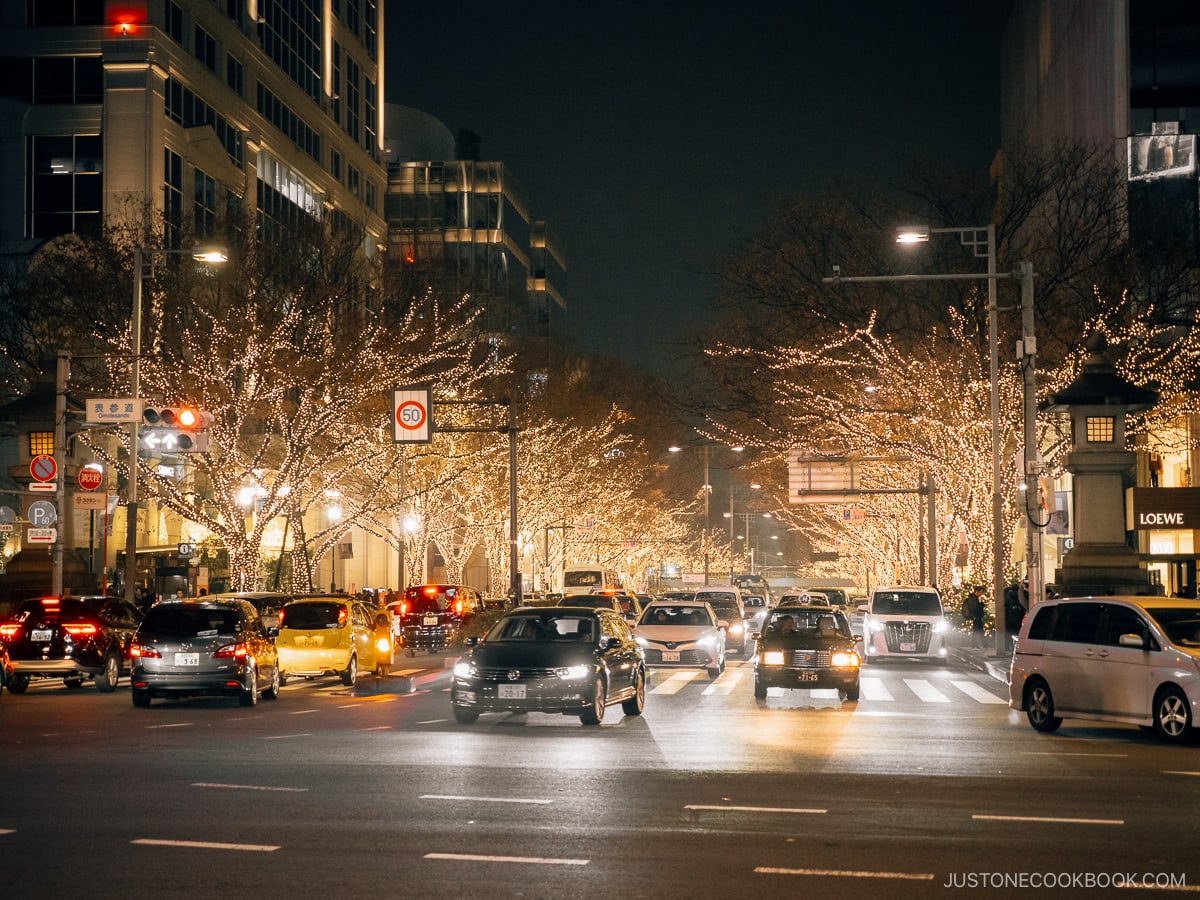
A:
916, 633
523, 674
809, 659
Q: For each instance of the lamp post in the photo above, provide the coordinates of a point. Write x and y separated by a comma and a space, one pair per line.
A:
982, 241
706, 452
201, 254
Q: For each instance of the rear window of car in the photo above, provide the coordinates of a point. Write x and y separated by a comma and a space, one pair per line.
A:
430, 599
312, 615
591, 601
906, 603
190, 621
67, 608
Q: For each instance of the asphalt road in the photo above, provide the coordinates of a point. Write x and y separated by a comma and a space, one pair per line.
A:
928, 786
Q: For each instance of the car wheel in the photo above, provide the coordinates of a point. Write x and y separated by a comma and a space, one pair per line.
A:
635, 704
594, 714
1039, 707
18, 684
714, 672
1172, 714
141, 699
283, 679
464, 716
350, 674
760, 690
106, 681
250, 697
850, 693
74, 683
272, 692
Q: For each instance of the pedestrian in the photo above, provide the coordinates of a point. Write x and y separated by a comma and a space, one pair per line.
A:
972, 612
1014, 612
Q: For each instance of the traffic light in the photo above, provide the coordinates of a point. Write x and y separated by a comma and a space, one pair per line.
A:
175, 429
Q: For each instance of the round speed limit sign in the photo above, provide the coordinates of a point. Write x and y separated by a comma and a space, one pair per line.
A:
411, 415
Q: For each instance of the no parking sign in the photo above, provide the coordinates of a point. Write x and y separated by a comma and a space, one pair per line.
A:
411, 415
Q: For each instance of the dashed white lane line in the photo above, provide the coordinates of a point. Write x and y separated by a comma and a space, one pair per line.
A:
170, 725
757, 809
1050, 819
846, 873
485, 799
536, 860
249, 787
205, 845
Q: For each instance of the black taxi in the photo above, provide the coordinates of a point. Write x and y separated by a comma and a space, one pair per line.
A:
806, 647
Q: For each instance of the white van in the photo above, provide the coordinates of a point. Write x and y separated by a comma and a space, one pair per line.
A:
1115, 659
589, 579
904, 622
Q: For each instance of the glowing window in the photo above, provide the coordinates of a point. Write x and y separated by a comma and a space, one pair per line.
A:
1100, 429
41, 443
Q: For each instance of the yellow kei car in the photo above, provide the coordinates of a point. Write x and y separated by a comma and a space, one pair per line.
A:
332, 635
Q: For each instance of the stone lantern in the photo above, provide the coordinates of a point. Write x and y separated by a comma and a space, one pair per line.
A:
1101, 562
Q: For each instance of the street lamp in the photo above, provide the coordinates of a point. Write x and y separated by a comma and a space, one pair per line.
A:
209, 254
982, 241
706, 448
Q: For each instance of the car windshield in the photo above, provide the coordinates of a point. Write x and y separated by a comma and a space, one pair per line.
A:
312, 615
676, 615
1182, 626
754, 600
592, 578
805, 621
190, 621
906, 603
539, 628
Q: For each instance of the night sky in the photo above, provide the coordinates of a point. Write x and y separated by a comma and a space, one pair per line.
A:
653, 137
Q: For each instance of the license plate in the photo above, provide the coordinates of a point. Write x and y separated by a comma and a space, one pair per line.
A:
187, 659
670, 656
907, 648
511, 691
40, 635
429, 620
808, 676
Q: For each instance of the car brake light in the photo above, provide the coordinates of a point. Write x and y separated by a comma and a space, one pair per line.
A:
431, 591
7, 631
342, 614
237, 650
80, 629
142, 651
458, 607
403, 609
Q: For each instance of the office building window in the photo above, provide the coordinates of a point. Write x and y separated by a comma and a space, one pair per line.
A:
372, 196
174, 21
236, 10
353, 18
235, 75
204, 205
371, 25
205, 49
352, 180
291, 35
172, 196
52, 79
353, 99
335, 165
66, 12
369, 116
41, 443
63, 185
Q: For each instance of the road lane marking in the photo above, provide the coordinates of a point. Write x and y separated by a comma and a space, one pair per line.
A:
1051, 819
725, 684
302, 712
844, 873
926, 691
757, 809
538, 860
377, 728
484, 799
977, 692
432, 722
1064, 753
8, 831
1170, 772
249, 787
205, 845
171, 725
874, 689
676, 683
285, 737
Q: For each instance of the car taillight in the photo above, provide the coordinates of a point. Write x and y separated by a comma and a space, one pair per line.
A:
404, 609
80, 629
237, 651
8, 631
143, 651
458, 607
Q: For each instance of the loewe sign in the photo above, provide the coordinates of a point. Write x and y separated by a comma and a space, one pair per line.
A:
1166, 508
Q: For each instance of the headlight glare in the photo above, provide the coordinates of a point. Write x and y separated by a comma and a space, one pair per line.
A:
772, 658
463, 669
572, 673
845, 659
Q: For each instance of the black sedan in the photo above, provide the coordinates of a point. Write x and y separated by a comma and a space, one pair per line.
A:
569, 660
807, 647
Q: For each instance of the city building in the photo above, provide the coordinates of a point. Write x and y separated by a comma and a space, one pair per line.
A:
1124, 73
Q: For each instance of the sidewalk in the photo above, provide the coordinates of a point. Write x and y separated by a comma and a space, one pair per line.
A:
984, 659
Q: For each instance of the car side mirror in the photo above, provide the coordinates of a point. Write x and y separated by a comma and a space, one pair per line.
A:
858, 638
755, 635
862, 608
471, 641
1131, 640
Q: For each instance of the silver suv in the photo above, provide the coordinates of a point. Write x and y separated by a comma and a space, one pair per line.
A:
902, 622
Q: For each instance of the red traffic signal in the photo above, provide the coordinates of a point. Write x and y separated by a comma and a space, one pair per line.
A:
174, 429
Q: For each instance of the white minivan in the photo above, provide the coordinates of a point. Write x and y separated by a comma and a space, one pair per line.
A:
904, 622
1116, 659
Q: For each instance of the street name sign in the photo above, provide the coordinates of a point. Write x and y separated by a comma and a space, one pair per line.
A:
103, 411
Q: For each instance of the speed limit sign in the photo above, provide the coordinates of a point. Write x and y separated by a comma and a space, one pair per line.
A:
411, 415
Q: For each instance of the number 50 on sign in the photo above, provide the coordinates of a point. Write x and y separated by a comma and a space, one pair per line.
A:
411, 415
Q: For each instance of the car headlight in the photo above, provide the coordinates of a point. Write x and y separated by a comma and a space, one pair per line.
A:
873, 626
844, 659
735, 629
644, 642
709, 641
940, 626
772, 658
464, 669
574, 673
383, 645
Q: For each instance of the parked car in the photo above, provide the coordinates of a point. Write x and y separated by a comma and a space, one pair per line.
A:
904, 623
806, 647
72, 638
203, 647
332, 634
682, 635
1113, 659
568, 659
726, 602
428, 614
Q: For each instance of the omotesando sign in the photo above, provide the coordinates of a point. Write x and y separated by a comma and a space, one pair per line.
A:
1165, 508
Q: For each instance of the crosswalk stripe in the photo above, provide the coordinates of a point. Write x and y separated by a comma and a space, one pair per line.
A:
976, 692
724, 684
676, 683
926, 691
873, 689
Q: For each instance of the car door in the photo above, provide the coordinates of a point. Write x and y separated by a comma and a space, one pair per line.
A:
1069, 658
363, 625
1123, 673
618, 658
